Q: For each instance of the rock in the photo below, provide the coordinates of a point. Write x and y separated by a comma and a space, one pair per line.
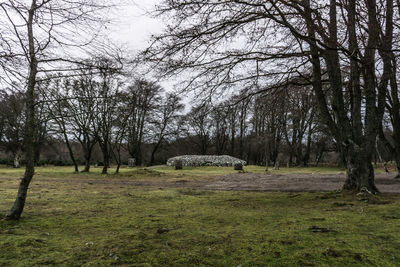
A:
131, 162
209, 160
276, 167
238, 167
178, 164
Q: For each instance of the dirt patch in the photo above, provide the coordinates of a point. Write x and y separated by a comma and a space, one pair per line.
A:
249, 182
294, 182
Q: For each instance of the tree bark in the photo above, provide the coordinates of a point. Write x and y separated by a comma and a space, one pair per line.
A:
19, 204
360, 173
153, 153
359, 170
356, 147
118, 167
397, 159
87, 153
71, 153
106, 159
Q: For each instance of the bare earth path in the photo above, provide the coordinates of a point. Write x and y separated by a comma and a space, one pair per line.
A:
248, 182
294, 182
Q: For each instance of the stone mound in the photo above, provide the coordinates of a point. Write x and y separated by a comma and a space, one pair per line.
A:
209, 160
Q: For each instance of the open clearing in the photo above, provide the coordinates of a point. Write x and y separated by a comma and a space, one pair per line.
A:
159, 217
281, 181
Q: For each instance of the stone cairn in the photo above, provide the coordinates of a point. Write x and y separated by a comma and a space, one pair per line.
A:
211, 160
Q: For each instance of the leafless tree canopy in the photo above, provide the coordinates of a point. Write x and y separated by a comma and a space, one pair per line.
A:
345, 49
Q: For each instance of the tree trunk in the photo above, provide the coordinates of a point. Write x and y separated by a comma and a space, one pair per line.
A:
397, 159
117, 157
37, 148
118, 167
106, 160
87, 166
319, 157
290, 162
306, 157
360, 173
299, 154
17, 159
138, 155
87, 155
19, 204
233, 144
153, 153
71, 153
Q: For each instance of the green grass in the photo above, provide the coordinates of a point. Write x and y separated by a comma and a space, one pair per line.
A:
74, 224
251, 168
67, 171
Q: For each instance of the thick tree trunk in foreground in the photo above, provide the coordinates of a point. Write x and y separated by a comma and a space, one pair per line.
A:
359, 170
19, 204
356, 147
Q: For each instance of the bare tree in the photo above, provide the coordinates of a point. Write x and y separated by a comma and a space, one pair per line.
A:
142, 95
165, 121
268, 124
40, 33
120, 127
220, 129
388, 51
58, 109
106, 107
83, 98
198, 127
299, 123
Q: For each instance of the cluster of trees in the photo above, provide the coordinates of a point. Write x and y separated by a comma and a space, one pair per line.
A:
39, 38
114, 114
261, 127
301, 74
345, 50
93, 108
103, 110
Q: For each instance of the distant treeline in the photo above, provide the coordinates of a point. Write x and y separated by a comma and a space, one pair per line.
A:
97, 119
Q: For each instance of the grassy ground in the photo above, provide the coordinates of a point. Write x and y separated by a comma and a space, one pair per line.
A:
53, 172
74, 224
156, 173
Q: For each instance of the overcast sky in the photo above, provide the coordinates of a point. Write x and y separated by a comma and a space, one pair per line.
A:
133, 27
